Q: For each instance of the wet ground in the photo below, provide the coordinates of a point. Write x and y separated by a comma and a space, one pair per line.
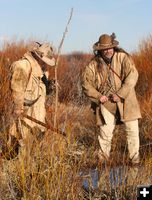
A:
112, 182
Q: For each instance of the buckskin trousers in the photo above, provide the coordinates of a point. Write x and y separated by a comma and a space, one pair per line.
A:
106, 134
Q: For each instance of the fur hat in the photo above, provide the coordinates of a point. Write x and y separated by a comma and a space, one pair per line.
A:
105, 42
45, 53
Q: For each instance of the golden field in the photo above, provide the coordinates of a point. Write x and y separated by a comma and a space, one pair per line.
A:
53, 170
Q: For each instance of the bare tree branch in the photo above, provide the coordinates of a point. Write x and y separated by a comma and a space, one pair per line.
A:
56, 70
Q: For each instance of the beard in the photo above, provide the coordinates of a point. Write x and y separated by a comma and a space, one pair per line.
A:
107, 59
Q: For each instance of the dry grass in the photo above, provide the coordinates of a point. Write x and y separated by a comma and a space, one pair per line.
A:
52, 172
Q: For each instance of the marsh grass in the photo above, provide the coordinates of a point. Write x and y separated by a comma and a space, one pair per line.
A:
53, 168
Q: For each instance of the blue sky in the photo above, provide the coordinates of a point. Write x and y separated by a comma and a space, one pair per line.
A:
45, 20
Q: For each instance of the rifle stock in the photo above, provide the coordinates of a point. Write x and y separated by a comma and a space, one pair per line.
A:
49, 127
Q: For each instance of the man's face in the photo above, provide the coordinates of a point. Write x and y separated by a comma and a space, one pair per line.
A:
108, 53
42, 64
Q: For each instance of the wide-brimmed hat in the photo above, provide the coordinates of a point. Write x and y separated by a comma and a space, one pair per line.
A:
45, 53
105, 42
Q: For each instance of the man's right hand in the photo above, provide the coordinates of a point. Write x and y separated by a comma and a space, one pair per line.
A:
103, 99
18, 112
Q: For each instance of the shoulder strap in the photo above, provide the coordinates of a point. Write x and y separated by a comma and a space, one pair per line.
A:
114, 72
98, 60
30, 68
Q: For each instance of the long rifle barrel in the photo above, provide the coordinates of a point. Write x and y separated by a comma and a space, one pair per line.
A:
49, 127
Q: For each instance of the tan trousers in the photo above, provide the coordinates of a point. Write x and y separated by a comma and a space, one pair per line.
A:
106, 134
25, 138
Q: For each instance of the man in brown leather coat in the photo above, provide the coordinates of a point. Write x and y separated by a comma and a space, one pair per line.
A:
29, 86
109, 82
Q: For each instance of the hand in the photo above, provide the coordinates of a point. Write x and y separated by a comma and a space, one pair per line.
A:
17, 112
103, 99
115, 98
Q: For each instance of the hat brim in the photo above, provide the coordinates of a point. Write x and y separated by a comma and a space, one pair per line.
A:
97, 46
48, 61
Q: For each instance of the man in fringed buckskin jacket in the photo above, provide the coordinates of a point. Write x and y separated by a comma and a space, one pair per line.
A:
29, 84
109, 81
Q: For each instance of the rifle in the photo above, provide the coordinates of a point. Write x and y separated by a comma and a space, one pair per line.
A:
48, 126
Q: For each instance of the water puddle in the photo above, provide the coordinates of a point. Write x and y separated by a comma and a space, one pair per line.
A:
112, 178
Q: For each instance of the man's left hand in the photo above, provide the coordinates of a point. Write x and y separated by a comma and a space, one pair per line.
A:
115, 98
